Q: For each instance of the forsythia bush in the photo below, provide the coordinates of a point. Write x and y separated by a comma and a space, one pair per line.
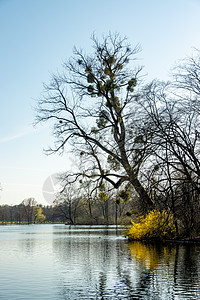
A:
156, 224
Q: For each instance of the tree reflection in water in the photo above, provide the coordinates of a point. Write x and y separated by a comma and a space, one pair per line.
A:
82, 262
100, 265
151, 254
170, 270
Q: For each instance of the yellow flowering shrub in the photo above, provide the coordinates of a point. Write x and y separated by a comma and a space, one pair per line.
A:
154, 225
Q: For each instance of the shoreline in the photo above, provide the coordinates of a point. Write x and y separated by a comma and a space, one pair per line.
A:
168, 241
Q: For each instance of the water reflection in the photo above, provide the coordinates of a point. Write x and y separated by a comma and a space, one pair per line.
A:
88, 260
112, 268
151, 255
172, 270
83, 262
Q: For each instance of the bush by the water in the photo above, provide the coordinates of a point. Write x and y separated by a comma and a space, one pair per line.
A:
155, 225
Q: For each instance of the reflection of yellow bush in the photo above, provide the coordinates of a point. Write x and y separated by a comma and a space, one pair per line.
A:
146, 254
154, 225
149, 255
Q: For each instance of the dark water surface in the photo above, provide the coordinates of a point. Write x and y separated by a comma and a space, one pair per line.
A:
87, 262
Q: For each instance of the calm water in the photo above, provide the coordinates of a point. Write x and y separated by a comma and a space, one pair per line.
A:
82, 262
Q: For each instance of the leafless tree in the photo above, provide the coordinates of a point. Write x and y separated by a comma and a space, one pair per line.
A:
173, 166
175, 131
67, 203
92, 106
186, 80
28, 206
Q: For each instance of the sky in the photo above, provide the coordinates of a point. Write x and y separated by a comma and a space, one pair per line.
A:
38, 36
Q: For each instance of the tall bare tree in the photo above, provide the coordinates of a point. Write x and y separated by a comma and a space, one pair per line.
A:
93, 104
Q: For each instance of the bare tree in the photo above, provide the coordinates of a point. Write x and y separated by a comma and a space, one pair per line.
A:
28, 207
186, 79
174, 130
67, 203
92, 106
173, 166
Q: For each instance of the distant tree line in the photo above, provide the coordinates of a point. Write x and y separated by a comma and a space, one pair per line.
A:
68, 210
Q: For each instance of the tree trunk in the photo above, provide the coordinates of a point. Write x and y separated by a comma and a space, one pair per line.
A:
106, 212
116, 213
141, 192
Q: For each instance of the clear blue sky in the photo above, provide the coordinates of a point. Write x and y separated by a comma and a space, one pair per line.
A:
37, 36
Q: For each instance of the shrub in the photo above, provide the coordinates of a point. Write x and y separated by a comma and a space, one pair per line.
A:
155, 225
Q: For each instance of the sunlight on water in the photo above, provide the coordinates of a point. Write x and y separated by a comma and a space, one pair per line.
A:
87, 262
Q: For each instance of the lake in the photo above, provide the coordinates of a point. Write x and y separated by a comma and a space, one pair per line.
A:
93, 262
